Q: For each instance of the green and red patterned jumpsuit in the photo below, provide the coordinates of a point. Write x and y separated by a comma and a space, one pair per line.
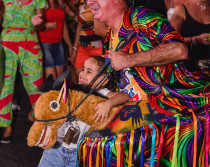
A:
20, 45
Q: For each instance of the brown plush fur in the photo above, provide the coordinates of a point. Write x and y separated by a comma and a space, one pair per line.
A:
84, 113
43, 112
87, 110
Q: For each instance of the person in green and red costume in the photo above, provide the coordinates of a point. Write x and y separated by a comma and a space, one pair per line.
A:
51, 40
21, 49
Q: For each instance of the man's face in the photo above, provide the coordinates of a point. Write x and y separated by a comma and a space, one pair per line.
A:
101, 8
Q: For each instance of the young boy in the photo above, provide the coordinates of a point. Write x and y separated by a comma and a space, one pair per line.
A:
65, 154
89, 71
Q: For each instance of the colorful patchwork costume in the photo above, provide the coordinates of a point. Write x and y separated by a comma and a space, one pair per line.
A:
182, 139
20, 45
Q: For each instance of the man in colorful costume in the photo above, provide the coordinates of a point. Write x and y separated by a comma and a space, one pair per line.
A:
148, 51
21, 47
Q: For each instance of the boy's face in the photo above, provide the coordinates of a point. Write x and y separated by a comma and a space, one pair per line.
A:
89, 71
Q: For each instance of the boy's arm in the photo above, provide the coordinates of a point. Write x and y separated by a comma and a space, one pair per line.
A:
103, 108
116, 98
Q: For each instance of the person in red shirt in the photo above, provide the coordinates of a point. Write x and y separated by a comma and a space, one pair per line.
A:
51, 39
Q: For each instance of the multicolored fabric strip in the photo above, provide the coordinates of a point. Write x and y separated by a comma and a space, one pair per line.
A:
170, 141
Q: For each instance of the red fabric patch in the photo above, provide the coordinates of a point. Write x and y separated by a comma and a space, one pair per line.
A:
5, 101
27, 45
33, 98
7, 76
29, 1
38, 82
41, 60
6, 116
160, 109
134, 98
11, 45
9, 3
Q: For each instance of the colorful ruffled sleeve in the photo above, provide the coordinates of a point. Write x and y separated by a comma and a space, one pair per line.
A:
153, 26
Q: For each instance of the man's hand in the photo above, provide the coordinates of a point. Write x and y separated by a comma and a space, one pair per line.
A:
119, 60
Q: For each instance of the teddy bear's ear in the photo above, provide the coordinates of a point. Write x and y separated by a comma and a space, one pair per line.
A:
58, 83
47, 85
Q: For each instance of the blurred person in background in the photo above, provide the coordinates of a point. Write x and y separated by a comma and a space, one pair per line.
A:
51, 38
192, 20
71, 9
89, 37
165, 7
170, 7
21, 49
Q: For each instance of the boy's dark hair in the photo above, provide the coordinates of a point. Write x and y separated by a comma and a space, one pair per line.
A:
101, 61
113, 78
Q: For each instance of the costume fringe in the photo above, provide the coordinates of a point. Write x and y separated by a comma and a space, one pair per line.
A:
172, 141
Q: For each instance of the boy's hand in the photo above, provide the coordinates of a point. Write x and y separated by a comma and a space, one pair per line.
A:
102, 111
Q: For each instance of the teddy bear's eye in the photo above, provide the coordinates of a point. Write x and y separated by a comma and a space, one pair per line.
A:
54, 105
